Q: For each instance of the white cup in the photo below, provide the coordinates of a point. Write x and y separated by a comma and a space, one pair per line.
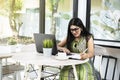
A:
62, 55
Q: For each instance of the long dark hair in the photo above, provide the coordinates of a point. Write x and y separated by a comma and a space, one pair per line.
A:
76, 22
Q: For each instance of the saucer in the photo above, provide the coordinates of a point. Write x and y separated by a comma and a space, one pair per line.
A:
61, 58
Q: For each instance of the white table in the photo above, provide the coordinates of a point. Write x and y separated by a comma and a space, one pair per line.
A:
3, 56
40, 60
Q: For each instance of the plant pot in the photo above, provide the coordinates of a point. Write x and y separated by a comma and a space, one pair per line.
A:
47, 51
13, 48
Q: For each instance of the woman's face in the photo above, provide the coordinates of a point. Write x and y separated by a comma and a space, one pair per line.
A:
75, 30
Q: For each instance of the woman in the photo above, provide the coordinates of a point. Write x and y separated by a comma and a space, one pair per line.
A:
78, 39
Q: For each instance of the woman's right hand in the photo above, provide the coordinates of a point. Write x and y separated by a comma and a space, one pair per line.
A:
65, 50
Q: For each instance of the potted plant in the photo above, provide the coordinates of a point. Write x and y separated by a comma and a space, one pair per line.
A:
12, 42
47, 47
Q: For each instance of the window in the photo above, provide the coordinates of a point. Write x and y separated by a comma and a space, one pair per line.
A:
19, 19
57, 15
105, 21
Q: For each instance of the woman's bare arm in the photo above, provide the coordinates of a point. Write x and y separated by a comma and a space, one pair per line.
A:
90, 52
61, 45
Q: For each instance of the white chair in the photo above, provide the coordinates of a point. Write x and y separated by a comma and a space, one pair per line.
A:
99, 52
108, 70
48, 72
12, 69
97, 60
102, 61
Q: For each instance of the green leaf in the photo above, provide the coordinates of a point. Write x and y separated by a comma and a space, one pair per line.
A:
48, 43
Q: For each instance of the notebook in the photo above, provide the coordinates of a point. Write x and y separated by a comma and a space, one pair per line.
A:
39, 37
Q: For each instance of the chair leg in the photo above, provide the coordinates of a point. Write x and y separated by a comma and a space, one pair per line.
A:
119, 76
114, 68
14, 76
18, 75
106, 68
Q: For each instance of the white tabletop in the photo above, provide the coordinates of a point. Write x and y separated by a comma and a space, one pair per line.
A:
7, 55
39, 59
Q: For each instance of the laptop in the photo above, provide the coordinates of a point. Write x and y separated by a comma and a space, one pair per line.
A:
39, 38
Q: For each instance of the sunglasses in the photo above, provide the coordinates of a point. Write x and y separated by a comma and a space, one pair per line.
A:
75, 29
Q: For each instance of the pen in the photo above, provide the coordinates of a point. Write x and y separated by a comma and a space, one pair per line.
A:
85, 50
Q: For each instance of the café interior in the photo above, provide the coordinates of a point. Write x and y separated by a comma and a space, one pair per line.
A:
20, 19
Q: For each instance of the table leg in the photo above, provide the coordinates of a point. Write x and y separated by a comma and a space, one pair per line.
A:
39, 73
0, 69
26, 72
75, 72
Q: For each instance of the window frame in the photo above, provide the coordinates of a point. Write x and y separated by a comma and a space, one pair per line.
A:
42, 14
101, 42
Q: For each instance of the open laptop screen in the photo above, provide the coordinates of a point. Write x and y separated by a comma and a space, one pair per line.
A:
39, 37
